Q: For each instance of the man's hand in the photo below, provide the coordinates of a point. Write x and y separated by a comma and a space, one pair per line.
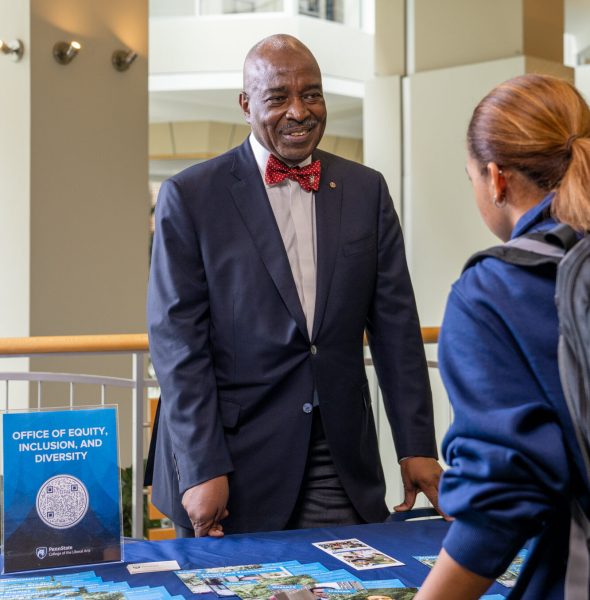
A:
206, 504
419, 474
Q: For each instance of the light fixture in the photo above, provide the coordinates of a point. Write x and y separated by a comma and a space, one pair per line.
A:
14, 48
65, 52
122, 59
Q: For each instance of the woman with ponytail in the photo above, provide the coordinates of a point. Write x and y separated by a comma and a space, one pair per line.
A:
513, 460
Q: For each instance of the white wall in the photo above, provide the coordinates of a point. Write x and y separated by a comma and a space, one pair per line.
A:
382, 132
15, 213
15, 107
582, 79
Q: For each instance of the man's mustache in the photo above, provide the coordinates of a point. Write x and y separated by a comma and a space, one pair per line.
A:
308, 124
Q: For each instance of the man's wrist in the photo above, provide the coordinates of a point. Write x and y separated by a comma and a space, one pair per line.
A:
404, 458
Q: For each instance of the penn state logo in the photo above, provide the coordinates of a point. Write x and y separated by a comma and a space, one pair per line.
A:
41, 552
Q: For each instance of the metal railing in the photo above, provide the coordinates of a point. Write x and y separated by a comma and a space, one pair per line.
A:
135, 345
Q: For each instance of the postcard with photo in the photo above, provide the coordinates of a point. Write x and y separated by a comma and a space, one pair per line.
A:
357, 554
507, 579
266, 588
332, 546
427, 560
205, 581
362, 560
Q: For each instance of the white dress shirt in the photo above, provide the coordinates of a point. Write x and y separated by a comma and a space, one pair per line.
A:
294, 211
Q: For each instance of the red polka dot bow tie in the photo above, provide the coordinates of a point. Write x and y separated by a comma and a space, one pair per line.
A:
308, 177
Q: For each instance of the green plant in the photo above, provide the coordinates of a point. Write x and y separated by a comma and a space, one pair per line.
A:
126, 485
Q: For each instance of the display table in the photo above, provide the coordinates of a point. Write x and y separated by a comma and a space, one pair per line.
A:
402, 540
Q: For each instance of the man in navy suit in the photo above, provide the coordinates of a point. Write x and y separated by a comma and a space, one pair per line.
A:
269, 264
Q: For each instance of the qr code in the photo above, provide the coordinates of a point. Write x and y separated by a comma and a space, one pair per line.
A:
62, 501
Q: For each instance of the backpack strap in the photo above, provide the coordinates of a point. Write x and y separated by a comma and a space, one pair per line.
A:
577, 575
562, 235
532, 250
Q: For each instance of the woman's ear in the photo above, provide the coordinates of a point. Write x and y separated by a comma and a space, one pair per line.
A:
497, 181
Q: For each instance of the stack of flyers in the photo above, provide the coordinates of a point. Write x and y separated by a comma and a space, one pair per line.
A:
281, 581
292, 580
507, 579
357, 554
83, 586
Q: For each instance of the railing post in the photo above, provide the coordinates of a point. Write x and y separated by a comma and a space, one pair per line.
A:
137, 447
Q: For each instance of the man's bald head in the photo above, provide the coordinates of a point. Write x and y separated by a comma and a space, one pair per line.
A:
273, 50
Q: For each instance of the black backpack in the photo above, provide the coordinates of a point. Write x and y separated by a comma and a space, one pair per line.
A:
561, 251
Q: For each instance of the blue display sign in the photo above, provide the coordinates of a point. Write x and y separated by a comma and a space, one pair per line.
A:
62, 500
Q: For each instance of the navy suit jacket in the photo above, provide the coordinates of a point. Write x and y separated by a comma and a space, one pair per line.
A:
229, 342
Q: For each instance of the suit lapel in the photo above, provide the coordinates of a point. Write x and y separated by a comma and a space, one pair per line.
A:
328, 207
251, 200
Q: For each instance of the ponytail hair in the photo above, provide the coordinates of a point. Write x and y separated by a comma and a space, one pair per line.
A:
540, 126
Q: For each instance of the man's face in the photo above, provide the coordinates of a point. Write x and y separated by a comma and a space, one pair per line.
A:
284, 104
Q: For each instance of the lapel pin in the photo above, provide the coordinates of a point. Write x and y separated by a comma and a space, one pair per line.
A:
332, 184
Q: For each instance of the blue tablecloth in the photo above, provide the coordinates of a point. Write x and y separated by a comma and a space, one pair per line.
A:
402, 540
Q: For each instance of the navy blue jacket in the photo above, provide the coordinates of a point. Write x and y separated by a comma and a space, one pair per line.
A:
234, 360
513, 462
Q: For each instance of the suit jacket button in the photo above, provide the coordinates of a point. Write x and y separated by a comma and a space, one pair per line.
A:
313, 349
307, 408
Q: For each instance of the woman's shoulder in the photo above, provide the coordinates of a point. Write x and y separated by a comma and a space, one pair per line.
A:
494, 288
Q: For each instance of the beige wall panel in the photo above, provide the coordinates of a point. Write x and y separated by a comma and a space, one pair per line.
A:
220, 135
539, 65
89, 170
160, 139
328, 143
346, 147
238, 134
543, 29
390, 37
191, 137
456, 32
360, 155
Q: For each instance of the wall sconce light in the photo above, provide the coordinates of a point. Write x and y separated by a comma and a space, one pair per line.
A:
14, 48
65, 52
122, 59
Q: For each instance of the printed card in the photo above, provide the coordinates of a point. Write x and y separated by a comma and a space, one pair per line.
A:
357, 554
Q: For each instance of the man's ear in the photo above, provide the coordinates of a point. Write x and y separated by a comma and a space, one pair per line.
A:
245, 104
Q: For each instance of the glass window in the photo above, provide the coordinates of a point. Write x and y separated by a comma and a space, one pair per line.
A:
226, 7
331, 10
